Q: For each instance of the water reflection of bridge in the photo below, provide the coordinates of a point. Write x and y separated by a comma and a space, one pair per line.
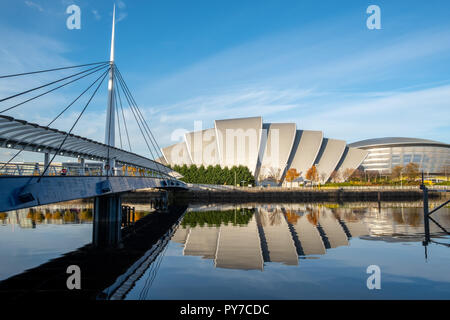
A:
283, 233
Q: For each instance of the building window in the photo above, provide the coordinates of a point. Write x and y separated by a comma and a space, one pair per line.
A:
406, 158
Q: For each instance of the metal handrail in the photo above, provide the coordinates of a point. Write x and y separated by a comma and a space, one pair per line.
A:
29, 169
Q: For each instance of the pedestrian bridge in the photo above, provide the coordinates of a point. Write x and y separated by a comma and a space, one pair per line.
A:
27, 185
118, 170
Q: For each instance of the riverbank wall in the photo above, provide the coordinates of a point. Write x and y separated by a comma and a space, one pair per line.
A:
304, 195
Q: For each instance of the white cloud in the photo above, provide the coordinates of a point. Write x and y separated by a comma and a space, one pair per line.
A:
321, 82
121, 4
97, 16
122, 16
34, 5
420, 113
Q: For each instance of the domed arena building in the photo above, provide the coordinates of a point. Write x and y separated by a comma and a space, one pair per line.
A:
432, 157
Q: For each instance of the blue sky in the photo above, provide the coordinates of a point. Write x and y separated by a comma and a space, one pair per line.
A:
310, 62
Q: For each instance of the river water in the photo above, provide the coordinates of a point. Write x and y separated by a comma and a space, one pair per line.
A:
257, 251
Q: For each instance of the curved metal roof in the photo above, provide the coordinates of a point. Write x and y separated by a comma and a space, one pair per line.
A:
22, 135
390, 141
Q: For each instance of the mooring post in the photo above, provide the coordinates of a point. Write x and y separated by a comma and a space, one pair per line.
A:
107, 220
426, 220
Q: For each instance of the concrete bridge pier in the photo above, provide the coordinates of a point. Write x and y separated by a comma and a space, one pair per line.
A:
161, 202
107, 221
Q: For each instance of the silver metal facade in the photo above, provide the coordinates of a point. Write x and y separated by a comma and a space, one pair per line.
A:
433, 157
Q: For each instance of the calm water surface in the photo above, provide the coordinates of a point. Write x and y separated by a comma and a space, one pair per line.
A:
299, 252
258, 251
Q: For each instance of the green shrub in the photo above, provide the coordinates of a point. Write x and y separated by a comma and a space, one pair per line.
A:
214, 175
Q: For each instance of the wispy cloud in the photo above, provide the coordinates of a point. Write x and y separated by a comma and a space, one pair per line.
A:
322, 83
419, 113
97, 16
121, 4
122, 14
35, 5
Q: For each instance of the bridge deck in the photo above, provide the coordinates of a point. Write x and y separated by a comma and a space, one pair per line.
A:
18, 192
22, 135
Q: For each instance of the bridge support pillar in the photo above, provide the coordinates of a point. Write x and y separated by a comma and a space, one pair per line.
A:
107, 221
82, 163
46, 162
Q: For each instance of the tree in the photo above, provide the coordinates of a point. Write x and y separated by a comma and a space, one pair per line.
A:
291, 175
335, 176
215, 175
347, 173
396, 172
412, 171
272, 174
312, 174
357, 175
371, 174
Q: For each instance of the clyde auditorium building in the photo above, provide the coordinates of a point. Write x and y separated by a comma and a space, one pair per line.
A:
270, 149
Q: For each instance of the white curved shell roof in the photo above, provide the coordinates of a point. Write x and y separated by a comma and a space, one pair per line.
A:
202, 147
352, 159
307, 147
177, 154
238, 141
329, 157
274, 147
277, 140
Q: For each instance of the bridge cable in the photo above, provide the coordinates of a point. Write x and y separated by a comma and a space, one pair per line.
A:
146, 127
48, 84
128, 98
73, 126
139, 125
123, 116
42, 94
133, 106
142, 117
49, 70
54, 119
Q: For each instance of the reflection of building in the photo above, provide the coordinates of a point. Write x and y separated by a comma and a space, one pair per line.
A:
278, 237
50, 214
282, 233
273, 234
239, 247
432, 157
267, 149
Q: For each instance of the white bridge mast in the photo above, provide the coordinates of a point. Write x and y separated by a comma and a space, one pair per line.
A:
110, 115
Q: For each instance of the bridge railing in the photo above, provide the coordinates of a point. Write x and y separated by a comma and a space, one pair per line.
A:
30, 169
